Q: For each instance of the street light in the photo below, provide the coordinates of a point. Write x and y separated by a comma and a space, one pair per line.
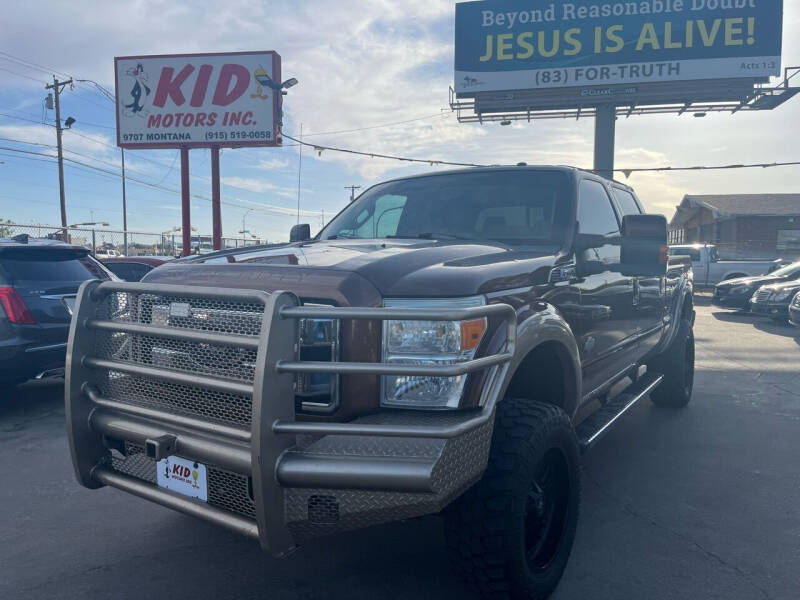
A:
171, 232
244, 216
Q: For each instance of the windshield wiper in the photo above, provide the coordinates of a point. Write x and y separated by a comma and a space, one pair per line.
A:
450, 236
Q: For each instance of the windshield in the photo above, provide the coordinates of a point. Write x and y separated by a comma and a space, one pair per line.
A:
515, 208
788, 270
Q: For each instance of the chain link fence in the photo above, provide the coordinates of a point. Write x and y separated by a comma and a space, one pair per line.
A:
105, 242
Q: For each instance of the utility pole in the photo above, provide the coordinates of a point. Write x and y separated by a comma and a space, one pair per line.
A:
299, 169
124, 209
57, 87
352, 189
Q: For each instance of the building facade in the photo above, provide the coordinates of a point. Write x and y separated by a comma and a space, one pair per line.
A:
740, 225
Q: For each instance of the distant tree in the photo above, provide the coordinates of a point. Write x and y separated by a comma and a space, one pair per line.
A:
5, 230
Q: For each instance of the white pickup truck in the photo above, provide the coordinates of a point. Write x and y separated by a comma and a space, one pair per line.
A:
710, 270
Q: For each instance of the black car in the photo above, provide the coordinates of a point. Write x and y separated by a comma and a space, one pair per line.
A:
736, 293
133, 268
38, 283
794, 311
773, 300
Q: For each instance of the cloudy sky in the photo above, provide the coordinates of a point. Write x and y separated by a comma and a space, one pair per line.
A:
381, 67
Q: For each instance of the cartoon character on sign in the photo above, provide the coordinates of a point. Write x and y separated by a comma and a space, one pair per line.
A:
194, 476
139, 92
262, 80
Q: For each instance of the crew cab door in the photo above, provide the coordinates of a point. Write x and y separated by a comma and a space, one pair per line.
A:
608, 322
649, 300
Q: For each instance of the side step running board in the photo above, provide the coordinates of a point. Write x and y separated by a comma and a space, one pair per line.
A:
598, 424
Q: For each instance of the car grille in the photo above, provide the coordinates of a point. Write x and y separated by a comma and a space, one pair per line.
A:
762, 295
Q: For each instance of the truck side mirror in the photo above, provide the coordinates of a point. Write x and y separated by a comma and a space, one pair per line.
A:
300, 233
644, 245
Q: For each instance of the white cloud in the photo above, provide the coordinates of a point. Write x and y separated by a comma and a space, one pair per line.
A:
273, 164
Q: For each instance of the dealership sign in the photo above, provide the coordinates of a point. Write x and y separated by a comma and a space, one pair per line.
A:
198, 100
535, 44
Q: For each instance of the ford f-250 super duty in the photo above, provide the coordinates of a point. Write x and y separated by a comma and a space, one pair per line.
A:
448, 343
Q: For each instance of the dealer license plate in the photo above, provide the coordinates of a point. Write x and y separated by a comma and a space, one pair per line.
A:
183, 476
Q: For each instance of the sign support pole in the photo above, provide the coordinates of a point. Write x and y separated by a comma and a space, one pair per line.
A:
216, 208
186, 223
605, 127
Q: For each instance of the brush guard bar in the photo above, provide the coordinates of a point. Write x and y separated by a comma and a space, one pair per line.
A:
260, 450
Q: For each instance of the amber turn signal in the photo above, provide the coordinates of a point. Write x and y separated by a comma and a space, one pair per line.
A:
472, 333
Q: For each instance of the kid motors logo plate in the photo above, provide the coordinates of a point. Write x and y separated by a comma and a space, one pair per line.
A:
185, 477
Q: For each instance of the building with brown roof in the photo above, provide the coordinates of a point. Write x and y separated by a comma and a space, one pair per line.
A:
741, 225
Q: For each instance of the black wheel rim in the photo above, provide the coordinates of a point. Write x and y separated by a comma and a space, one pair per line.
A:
546, 510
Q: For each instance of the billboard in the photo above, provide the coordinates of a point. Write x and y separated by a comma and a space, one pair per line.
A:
535, 44
198, 100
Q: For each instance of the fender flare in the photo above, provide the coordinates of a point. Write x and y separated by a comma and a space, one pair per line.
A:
683, 290
539, 327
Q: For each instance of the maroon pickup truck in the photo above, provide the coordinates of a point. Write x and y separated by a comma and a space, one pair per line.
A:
448, 343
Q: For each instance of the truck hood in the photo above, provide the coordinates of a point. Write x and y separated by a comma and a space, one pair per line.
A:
395, 268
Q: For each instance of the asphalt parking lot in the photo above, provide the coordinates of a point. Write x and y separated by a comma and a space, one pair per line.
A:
699, 503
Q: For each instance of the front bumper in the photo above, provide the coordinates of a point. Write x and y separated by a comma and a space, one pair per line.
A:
270, 477
794, 315
22, 358
768, 309
737, 301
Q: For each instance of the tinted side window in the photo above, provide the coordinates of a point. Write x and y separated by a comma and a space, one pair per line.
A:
29, 269
128, 271
596, 217
626, 202
595, 213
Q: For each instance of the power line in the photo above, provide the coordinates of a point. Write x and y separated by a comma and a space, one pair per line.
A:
33, 65
21, 75
172, 166
439, 114
627, 172
269, 209
320, 148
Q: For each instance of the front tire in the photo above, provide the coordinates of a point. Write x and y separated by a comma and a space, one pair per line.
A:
512, 533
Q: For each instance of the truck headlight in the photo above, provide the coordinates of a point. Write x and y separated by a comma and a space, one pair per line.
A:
429, 343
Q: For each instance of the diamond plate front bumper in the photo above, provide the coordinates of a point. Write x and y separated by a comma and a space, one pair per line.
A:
270, 477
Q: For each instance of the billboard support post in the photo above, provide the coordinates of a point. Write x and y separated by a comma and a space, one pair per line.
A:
605, 126
186, 219
216, 208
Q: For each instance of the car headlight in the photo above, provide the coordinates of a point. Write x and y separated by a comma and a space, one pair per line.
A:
740, 289
429, 343
782, 295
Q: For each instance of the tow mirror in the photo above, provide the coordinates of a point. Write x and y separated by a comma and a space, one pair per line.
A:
644, 245
300, 233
